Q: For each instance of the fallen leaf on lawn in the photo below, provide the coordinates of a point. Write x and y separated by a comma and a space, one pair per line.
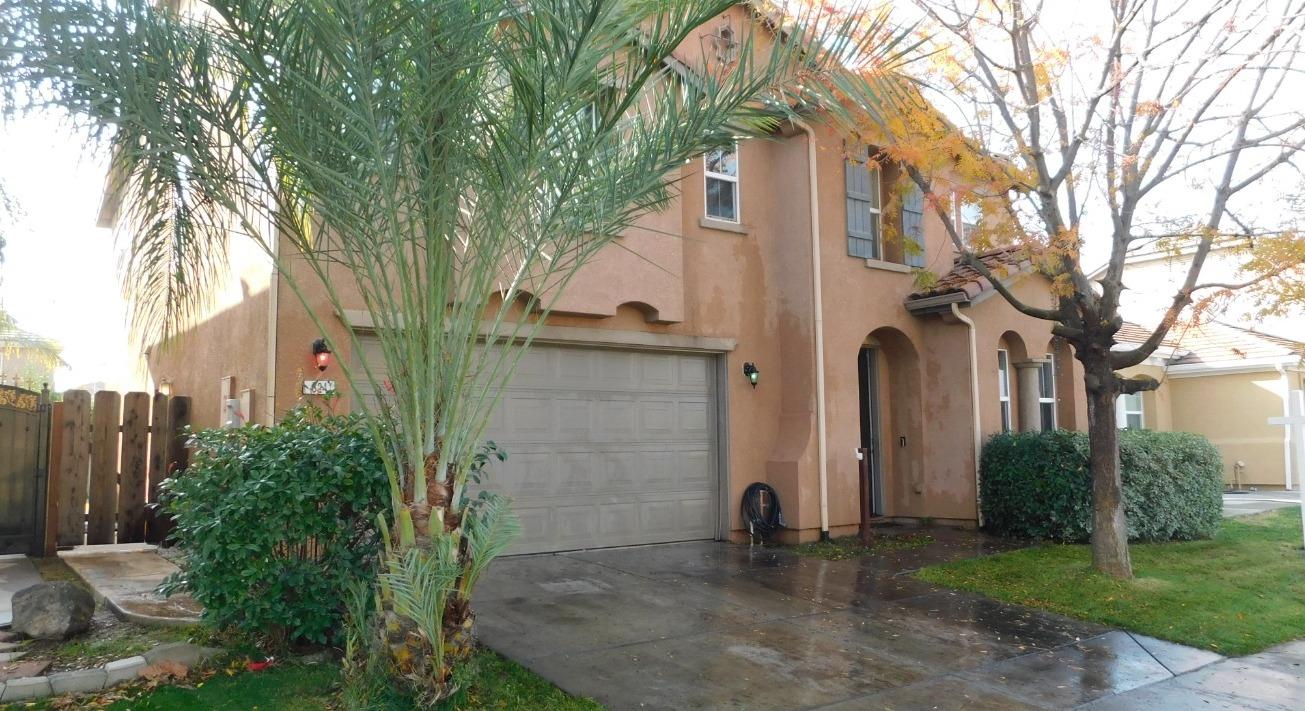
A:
164, 671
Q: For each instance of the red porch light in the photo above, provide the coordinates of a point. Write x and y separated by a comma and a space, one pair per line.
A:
321, 354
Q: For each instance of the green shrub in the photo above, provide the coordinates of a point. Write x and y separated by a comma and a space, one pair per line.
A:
277, 522
1036, 485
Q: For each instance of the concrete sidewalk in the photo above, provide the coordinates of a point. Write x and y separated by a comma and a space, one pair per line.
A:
16, 573
126, 576
1273, 680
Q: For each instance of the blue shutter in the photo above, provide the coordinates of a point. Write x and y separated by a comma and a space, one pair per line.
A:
862, 187
913, 226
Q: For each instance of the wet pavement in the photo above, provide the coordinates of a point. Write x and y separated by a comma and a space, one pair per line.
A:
719, 626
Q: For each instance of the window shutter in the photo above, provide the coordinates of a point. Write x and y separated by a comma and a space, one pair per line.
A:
913, 226
862, 200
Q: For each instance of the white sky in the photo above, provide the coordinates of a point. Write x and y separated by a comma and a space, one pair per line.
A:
60, 272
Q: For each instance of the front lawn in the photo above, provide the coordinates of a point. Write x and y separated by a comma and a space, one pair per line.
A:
1235, 594
496, 683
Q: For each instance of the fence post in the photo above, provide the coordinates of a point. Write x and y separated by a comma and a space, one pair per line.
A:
50, 545
75, 466
104, 468
135, 458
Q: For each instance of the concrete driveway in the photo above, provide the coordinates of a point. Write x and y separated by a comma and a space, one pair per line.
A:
719, 626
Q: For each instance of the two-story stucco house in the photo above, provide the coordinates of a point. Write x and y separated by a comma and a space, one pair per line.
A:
632, 420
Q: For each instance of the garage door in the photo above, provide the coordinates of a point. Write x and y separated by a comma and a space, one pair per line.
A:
607, 447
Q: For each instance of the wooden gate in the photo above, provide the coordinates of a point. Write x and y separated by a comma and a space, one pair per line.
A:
108, 455
24, 448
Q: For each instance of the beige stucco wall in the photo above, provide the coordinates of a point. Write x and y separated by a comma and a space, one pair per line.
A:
1232, 410
753, 284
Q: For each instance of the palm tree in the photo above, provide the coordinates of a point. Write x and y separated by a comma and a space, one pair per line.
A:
456, 160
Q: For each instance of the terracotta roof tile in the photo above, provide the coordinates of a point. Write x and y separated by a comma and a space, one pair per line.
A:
1002, 262
1216, 342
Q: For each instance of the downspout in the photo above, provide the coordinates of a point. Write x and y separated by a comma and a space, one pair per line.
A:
1286, 436
819, 316
974, 401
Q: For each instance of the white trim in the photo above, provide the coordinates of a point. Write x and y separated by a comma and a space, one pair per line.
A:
1256, 365
711, 175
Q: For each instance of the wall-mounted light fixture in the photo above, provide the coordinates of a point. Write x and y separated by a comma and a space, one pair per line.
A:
165, 387
321, 354
751, 373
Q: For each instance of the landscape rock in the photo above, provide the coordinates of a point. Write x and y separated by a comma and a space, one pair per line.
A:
183, 653
18, 670
56, 610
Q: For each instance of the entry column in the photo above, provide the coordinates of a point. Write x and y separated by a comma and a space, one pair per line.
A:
1030, 394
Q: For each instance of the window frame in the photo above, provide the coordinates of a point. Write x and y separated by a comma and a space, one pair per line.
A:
1003, 390
1047, 377
709, 175
1122, 411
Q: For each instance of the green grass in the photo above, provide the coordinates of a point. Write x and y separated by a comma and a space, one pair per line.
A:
496, 683
847, 547
1235, 594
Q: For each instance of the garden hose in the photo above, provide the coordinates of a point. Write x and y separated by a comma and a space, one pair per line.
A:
763, 523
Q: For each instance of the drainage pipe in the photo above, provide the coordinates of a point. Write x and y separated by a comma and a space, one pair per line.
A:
818, 309
974, 401
1287, 431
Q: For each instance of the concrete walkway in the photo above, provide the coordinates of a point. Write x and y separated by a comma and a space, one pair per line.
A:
126, 576
1254, 502
1273, 680
16, 573
713, 626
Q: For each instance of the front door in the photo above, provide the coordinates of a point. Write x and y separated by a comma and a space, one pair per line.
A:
867, 376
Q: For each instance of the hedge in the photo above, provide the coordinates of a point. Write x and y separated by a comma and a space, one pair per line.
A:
276, 523
1036, 485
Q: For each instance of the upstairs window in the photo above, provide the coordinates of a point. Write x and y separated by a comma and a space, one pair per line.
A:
966, 218
1047, 393
722, 184
1128, 412
864, 209
1003, 389
913, 226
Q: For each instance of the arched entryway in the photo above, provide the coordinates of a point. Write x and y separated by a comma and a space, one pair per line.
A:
888, 375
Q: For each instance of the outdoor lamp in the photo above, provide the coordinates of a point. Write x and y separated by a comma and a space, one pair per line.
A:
753, 375
165, 387
321, 354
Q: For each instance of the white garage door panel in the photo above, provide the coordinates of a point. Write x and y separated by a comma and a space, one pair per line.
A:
606, 448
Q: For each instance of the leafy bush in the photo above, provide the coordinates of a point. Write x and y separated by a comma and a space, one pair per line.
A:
277, 522
1037, 485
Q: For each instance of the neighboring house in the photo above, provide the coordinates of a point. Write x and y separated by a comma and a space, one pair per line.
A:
1224, 382
27, 359
632, 421
1152, 277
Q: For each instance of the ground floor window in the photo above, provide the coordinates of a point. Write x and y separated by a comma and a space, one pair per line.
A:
1047, 393
1128, 411
1003, 388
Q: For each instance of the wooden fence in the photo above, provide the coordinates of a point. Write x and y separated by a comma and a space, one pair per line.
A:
107, 457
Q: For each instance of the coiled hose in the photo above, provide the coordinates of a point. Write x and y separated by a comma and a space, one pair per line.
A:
762, 523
